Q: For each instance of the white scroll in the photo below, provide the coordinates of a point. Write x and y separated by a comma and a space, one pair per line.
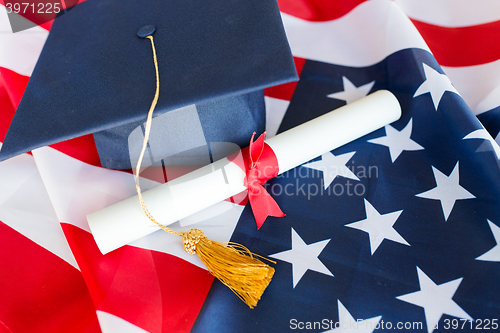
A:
125, 222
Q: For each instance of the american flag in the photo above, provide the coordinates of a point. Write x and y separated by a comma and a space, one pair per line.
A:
398, 230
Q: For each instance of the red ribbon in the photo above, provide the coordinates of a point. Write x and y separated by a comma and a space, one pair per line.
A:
260, 165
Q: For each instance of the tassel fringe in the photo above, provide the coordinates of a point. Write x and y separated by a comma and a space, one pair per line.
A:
233, 264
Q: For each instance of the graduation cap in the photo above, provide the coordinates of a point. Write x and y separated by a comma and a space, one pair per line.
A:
95, 75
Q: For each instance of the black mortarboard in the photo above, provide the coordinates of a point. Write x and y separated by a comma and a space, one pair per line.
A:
95, 75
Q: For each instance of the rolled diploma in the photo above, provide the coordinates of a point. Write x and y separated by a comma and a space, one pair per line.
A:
125, 222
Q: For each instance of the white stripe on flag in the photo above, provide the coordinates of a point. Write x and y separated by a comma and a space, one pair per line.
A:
378, 25
26, 207
275, 111
478, 85
20, 50
452, 13
112, 324
77, 189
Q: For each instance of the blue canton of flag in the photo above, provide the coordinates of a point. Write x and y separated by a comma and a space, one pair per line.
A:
396, 230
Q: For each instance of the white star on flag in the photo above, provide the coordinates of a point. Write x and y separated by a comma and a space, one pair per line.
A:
483, 134
379, 227
436, 84
303, 257
494, 253
397, 141
352, 93
347, 323
333, 166
447, 190
435, 299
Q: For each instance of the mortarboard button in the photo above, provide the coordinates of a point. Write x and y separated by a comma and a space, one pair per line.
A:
146, 30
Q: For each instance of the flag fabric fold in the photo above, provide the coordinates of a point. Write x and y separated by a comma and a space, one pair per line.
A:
399, 229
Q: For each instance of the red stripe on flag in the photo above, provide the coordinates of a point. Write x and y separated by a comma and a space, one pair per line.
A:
318, 10
15, 85
82, 148
4, 328
464, 46
152, 290
47, 25
285, 91
40, 292
6, 109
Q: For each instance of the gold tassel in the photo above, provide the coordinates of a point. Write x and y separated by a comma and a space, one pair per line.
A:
231, 263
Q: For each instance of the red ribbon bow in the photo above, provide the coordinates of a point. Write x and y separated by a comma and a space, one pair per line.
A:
260, 165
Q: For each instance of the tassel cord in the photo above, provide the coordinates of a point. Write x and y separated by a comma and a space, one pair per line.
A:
145, 144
